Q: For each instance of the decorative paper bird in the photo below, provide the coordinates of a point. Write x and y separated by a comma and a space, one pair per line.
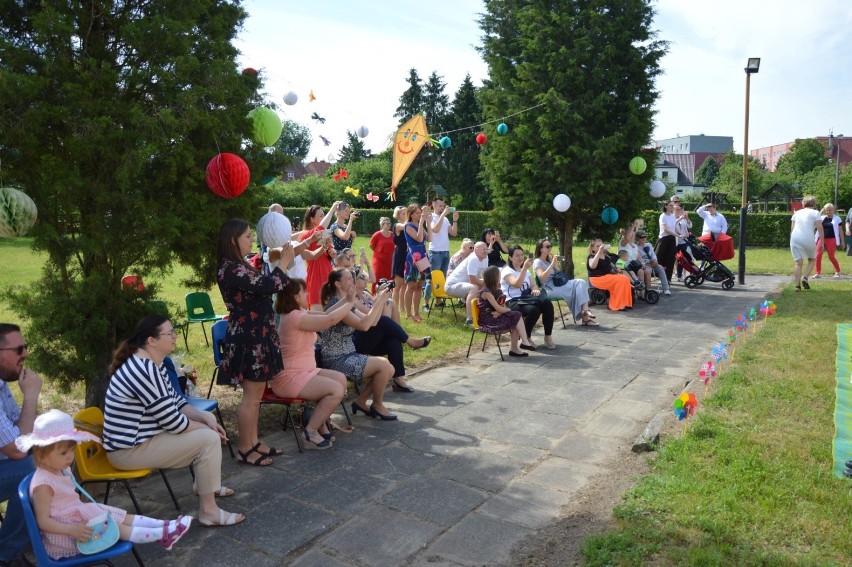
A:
352, 191
318, 118
311, 96
325, 140
371, 197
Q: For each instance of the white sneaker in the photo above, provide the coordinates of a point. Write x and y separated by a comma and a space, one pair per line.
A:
816, 277
837, 275
667, 292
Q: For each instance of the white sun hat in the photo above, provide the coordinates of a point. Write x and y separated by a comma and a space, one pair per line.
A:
52, 427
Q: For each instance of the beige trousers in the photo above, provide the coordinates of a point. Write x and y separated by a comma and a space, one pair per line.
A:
201, 448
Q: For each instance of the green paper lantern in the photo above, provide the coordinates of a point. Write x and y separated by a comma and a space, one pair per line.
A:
266, 126
18, 213
638, 165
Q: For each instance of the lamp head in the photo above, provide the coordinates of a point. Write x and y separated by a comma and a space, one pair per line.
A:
753, 65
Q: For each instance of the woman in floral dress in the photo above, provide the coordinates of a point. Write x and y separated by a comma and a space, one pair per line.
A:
251, 356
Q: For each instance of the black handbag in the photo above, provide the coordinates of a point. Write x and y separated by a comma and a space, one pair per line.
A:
559, 279
527, 298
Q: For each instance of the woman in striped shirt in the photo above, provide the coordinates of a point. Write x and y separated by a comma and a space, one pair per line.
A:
149, 425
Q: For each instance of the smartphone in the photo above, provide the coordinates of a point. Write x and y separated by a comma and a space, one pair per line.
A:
326, 233
452, 209
363, 251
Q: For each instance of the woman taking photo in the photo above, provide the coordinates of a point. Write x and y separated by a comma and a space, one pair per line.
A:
319, 252
400, 214
604, 275
417, 266
524, 296
495, 245
574, 292
342, 235
297, 333
381, 243
250, 352
338, 348
149, 425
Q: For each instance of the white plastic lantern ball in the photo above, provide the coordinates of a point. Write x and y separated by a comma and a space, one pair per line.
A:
274, 229
658, 188
363, 131
291, 98
562, 202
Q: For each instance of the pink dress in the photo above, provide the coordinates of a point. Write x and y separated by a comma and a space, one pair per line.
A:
297, 350
66, 507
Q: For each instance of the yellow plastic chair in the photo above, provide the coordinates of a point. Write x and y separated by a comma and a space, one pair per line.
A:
93, 465
474, 310
439, 283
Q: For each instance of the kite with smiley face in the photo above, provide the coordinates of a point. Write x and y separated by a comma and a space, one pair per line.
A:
409, 140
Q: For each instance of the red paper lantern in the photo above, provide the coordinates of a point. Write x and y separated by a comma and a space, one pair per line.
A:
251, 72
227, 175
481, 138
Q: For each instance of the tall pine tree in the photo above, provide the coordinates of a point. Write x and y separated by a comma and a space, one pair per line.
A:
581, 76
463, 181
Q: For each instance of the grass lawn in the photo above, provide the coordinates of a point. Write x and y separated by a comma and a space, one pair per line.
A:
750, 483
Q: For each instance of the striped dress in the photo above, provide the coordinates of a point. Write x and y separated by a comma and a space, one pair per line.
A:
140, 403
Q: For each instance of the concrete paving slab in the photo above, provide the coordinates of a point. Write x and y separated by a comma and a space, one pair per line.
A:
481, 469
528, 505
435, 500
476, 540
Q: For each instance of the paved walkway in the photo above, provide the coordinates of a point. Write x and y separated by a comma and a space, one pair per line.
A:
484, 453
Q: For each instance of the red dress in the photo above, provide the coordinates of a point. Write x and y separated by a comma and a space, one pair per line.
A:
318, 269
383, 248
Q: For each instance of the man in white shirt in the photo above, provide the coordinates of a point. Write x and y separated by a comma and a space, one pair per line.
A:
466, 280
714, 222
649, 259
439, 247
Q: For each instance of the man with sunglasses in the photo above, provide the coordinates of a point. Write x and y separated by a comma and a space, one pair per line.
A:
14, 421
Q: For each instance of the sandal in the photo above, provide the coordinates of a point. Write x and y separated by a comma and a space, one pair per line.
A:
343, 428
588, 314
591, 323
273, 452
223, 491
261, 460
805, 283
225, 519
426, 341
416, 318
798, 288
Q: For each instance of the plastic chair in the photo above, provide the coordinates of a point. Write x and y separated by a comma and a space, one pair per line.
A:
44, 560
439, 284
557, 300
474, 309
199, 309
201, 404
218, 332
93, 465
269, 397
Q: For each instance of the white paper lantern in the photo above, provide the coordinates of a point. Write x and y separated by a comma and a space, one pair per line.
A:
17, 213
658, 188
274, 229
562, 202
363, 131
291, 98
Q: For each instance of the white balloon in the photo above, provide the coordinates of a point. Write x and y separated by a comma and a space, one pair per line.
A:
562, 202
291, 98
363, 131
658, 188
274, 229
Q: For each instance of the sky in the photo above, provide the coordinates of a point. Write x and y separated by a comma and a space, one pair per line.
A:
355, 55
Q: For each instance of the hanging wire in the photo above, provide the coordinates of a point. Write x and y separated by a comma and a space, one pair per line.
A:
504, 118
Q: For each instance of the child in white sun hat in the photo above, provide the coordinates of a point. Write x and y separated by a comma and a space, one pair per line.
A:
62, 516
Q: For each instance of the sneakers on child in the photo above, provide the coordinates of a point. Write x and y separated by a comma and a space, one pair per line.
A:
837, 275
468, 322
816, 277
637, 283
171, 537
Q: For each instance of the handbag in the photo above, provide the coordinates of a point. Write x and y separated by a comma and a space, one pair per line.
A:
423, 264
559, 279
527, 298
104, 529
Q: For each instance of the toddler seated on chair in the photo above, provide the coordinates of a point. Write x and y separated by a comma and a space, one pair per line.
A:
630, 267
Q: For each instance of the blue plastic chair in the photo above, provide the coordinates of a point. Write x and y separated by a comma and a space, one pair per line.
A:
218, 332
201, 404
44, 560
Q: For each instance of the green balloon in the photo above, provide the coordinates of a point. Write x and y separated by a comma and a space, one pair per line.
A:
638, 165
17, 213
266, 126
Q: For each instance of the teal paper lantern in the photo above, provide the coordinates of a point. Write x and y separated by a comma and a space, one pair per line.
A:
502, 128
446, 142
638, 165
266, 126
609, 215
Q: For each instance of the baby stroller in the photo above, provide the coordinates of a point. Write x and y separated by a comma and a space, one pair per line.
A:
709, 269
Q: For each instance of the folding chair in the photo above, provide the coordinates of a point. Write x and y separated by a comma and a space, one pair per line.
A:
269, 397
439, 284
93, 465
199, 309
201, 404
217, 332
474, 308
558, 301
44, 560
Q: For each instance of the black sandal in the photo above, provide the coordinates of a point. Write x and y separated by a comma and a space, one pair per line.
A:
426, 341
258, 462
805, 283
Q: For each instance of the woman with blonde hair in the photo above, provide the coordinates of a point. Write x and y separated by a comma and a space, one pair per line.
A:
833, 239
464, 251
802, 243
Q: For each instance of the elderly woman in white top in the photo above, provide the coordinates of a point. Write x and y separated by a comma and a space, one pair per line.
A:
575, 292
667, 241
804, 222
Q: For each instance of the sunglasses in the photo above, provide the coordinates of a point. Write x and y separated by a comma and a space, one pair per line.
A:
19, 350
546, 246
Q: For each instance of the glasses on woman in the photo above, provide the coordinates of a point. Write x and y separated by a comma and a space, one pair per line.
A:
171, 333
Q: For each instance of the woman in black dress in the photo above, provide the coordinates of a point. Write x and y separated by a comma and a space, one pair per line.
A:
398, 263
496, 247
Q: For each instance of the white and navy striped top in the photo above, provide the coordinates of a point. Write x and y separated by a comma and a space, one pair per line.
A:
140, 403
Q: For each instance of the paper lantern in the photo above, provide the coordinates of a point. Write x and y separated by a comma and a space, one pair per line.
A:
481, 138
227, 175
291, 98
250, 72
266, 126
502, 128
562, 202
638, 165
18, 213
446, 142
363, 131
658, 188
609, 215
274, 229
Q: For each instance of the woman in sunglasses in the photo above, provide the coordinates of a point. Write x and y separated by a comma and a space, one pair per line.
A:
575, 292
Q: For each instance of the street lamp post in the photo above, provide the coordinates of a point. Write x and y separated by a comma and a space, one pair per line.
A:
837, 169
753, 66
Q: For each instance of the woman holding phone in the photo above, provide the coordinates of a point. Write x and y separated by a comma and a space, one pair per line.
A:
575, 292
319, 252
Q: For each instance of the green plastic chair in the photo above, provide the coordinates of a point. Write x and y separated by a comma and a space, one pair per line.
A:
558, 300
199, 309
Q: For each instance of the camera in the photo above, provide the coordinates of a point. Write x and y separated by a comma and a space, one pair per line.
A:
356, 214
387, 283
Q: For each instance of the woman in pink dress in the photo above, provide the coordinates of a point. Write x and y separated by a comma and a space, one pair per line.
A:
381, 243
301, 378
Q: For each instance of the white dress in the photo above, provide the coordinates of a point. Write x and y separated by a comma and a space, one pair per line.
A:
802, 243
